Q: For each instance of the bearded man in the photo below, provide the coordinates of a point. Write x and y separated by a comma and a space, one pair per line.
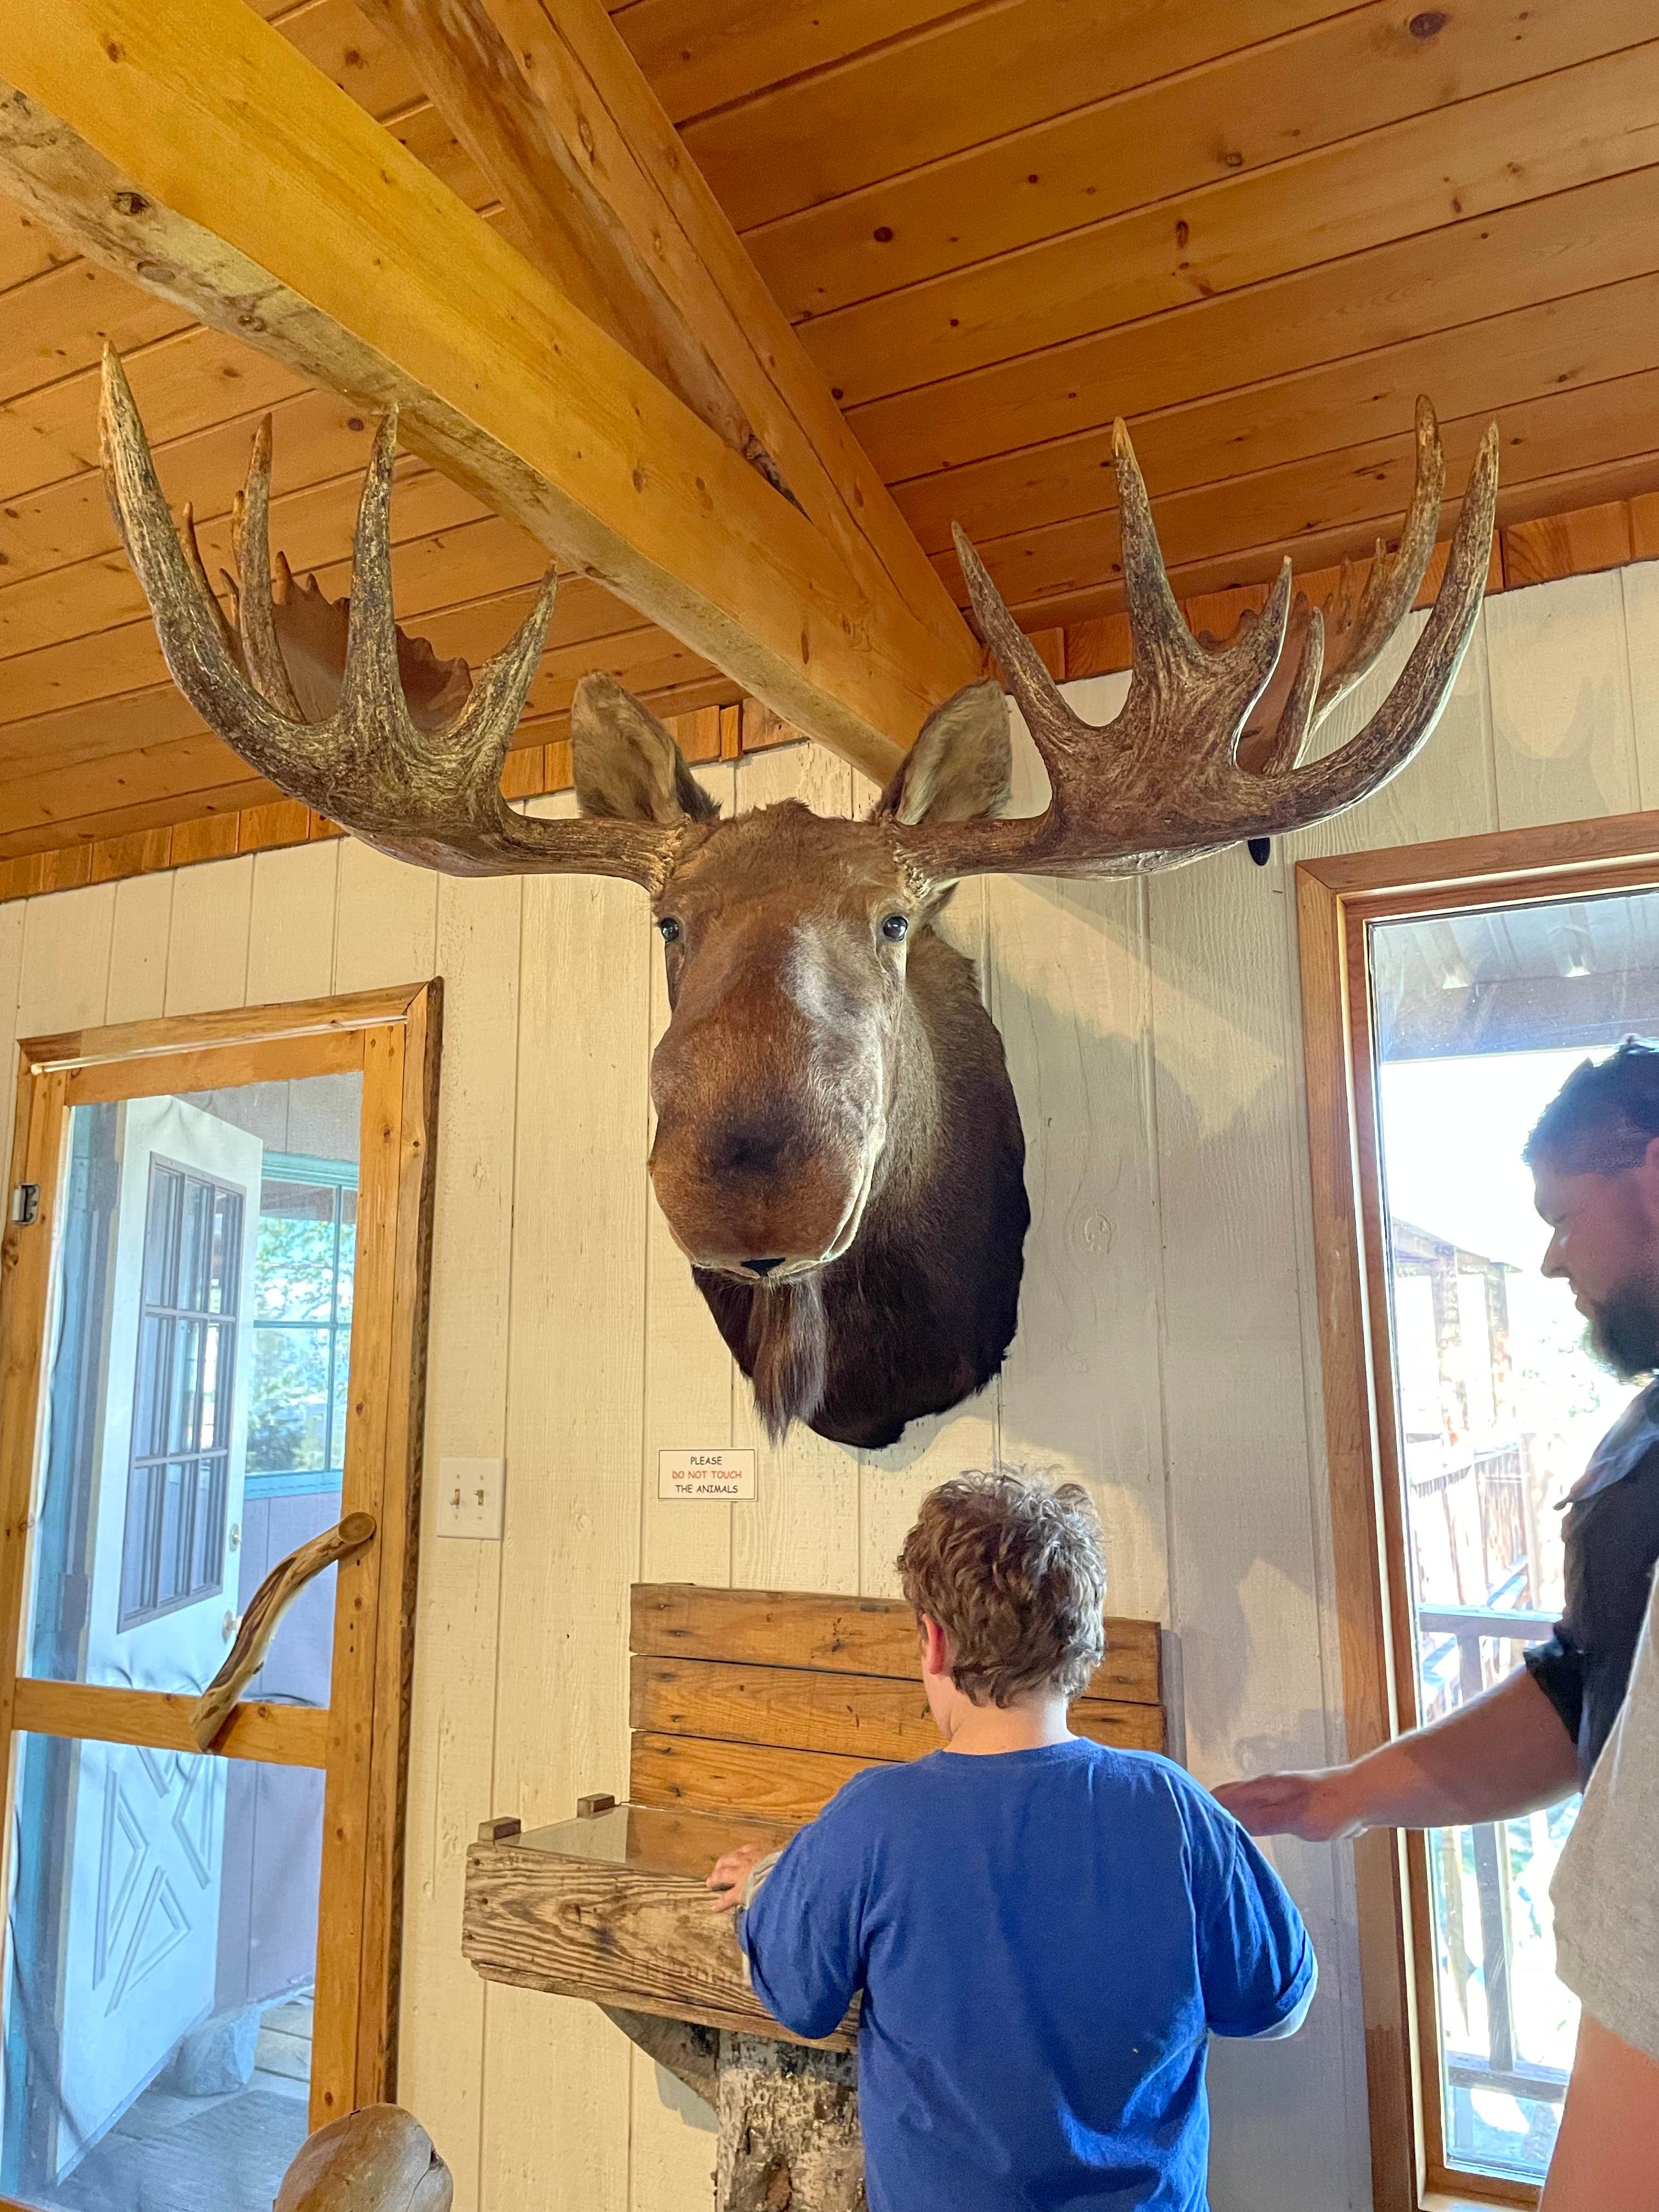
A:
1533, 1738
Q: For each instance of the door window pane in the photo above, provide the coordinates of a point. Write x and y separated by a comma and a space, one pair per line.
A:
196, 1382
158, 2017
1480, 1015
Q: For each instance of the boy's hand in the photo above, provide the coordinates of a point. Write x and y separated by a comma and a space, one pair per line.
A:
730, 1874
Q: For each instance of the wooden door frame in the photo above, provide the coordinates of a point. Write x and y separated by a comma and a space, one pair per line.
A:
361, 1741
1336, 899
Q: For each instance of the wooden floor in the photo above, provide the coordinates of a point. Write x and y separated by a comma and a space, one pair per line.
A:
1256, 227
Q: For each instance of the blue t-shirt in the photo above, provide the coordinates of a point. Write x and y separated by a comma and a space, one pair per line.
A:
1044, 1939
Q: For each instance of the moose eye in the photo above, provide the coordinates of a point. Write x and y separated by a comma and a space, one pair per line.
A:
670, 930
895, 928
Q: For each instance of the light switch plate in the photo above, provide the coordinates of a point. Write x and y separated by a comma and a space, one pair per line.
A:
471, 1497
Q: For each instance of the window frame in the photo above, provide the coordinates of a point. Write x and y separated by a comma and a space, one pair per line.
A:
229, 1323
361, 1740
1337, 899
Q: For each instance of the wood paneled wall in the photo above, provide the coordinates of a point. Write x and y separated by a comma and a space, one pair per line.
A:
1168, 1351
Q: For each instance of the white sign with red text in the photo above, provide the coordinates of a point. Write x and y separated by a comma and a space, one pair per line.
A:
708, 1475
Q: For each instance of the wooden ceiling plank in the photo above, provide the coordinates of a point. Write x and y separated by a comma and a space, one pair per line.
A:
1628, 477
1572, 242
227, 798
1286, 97
1599, 119
599, 113
67, 605
57, 322
957, 83
675, 685
213, 119
597, 631
187, 387
51, 530
1344, 498
697, 58
27, 248
1555, 346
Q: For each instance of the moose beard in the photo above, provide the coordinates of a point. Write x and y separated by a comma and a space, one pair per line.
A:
788, 1349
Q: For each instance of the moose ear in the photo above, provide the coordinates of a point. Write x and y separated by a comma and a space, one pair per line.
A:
628, 767
959, 765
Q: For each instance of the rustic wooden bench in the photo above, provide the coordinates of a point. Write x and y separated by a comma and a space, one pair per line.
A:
748, 1710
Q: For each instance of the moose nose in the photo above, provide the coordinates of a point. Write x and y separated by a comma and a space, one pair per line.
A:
763, 1266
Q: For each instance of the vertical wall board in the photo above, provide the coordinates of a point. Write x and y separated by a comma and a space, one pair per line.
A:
801, 1530
386, 919
66, 947
1562, 721
207, 938
689, 1375
1449, 790
137, 989
1640, 586
1070, 992
441, 2069
290, 947
691, 1380
557, 2073
1243, 1582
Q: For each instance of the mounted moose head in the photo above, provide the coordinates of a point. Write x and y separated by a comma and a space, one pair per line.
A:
838, 1151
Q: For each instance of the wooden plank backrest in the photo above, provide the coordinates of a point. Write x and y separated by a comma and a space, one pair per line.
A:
766, 1701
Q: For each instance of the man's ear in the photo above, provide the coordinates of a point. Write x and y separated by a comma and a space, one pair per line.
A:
935, 1647
628, 767
959, 766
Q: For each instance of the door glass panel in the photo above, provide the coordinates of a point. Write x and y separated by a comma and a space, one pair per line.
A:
1481, 1017
199, 1348
163, 1947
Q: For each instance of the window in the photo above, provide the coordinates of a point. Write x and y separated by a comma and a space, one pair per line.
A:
302, 1335
1441, 1016
186, 1384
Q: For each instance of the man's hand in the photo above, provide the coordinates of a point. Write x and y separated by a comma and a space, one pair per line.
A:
731, 1871
1316, 1805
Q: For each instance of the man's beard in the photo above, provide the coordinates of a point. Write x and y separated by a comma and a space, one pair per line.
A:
1624, 1330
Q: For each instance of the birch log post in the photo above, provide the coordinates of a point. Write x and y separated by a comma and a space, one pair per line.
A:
266, 1608
789, 2138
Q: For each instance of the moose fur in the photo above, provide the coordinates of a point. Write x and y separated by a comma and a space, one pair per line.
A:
827, 1097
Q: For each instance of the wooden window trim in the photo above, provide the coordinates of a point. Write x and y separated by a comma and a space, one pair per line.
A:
360, 1741
1336, 899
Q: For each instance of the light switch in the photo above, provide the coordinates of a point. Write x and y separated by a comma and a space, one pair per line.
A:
471, 1493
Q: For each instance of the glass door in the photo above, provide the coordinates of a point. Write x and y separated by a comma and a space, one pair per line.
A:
1479, 1016
206, 1366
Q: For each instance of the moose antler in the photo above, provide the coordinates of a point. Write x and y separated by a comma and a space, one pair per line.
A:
1163, 782
399, 770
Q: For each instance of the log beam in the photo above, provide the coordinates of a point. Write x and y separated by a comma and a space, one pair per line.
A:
557, 113
186, 144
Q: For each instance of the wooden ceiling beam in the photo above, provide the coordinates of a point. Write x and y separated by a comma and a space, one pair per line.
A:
548, 183
190, 146
572, 137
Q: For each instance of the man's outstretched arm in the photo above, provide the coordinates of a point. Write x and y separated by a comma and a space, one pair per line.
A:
1505, 1753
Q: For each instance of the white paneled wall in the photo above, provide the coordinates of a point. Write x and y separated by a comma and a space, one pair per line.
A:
1168, 1350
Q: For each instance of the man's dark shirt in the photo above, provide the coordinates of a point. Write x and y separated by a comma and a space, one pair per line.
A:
1612, 1537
